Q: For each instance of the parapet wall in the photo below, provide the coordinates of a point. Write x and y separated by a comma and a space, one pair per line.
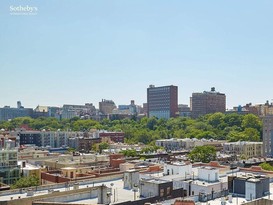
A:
29, 200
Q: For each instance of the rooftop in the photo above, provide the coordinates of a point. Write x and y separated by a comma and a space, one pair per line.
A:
207, 168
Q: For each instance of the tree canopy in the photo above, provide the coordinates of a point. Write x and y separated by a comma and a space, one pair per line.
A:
231, 127
26, 182
100, 146
202, 154
266, 166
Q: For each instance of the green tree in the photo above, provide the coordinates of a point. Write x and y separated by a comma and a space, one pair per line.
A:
234, 136
252, 134
151, 149
233, 120
151, 123
129, 153
266, 166
26, 182
232, 127
84, 125
203, 154
206, 135
252, 121
217, 120
103, 146
98, 147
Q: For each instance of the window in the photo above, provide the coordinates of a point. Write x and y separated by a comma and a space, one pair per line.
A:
161, 192
168, 191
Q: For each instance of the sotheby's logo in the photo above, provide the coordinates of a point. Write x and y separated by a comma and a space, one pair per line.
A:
23, 10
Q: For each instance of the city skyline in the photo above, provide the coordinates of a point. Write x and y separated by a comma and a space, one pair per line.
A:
81, 52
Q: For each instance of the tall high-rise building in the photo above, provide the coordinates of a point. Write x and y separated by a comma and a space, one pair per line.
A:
162, 102
268, 135
207, 102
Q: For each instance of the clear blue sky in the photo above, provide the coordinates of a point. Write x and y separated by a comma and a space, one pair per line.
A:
77, 51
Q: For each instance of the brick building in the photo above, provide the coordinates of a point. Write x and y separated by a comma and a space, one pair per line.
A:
106, 106
207, 102
112, 136
85, 144
162, 102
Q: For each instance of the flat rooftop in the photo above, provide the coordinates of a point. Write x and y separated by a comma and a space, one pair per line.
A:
120, 193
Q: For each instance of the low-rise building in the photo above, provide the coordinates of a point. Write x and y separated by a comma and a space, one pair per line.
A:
249, 185
208, 174
188, 144
107, 136
31, 153
82, 141
70, 111
126, 166
213, 164
178, 168
117, 147
131, 179
9, 169
29, 170
155, 187
244, 149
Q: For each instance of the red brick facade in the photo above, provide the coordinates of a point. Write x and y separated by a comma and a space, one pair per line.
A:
116, 160
113, 136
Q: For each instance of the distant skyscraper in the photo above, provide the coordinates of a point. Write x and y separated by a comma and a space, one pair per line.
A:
268, 135
162, 102
207, 102
106, 106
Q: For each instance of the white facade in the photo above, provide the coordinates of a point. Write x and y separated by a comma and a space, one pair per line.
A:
131, 179
208, 174
150, 188
182, 169
187, 143
170, 144
179, 183
195, 187
198, 186
250, 190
